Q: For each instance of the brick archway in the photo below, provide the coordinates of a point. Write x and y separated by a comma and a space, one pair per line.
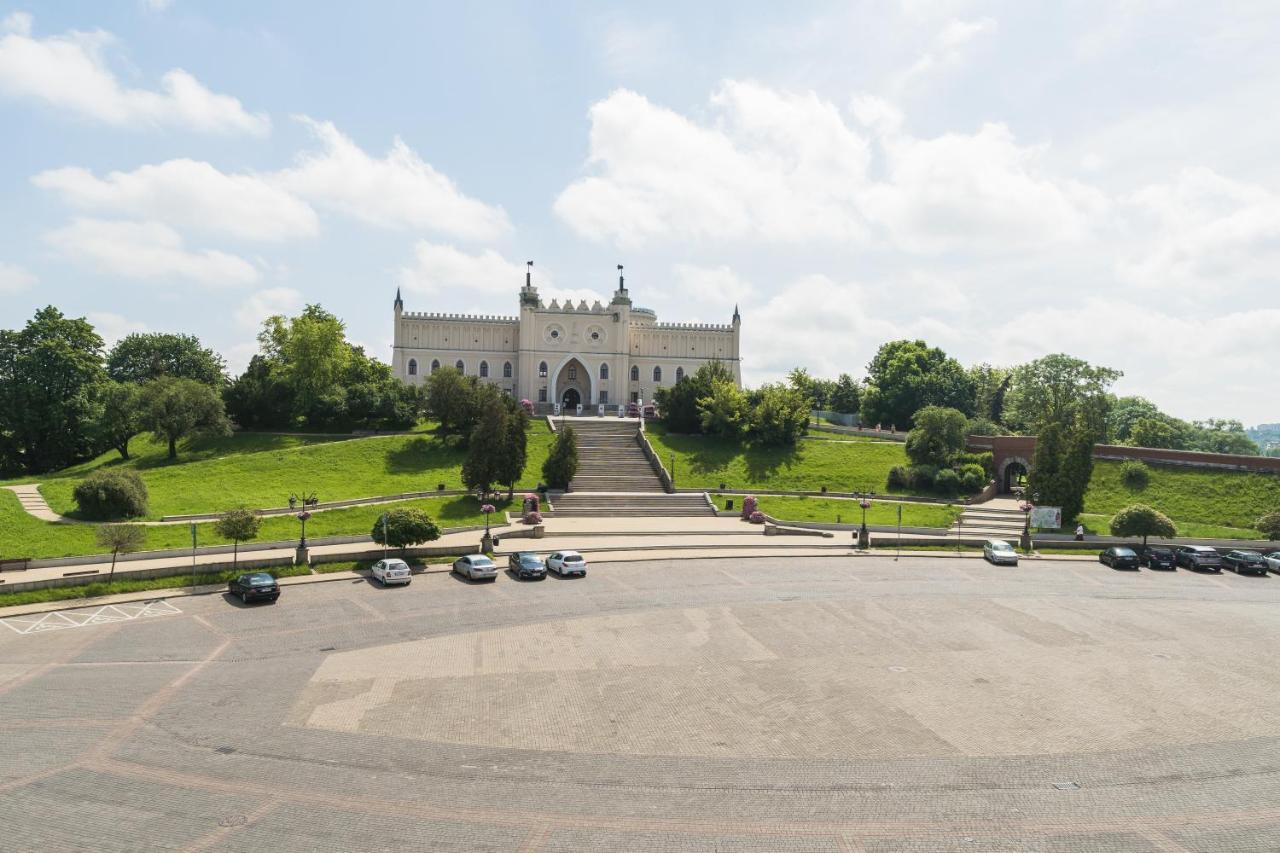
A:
1007, 470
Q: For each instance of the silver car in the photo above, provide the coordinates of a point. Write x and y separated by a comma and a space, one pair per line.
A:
392, 571
476, 567
1273, 562
999, 552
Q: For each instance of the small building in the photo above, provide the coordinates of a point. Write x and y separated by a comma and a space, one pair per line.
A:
580, 354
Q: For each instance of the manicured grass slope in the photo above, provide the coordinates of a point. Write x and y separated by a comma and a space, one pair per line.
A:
832, 510
707, 461
1189, 496
258, 471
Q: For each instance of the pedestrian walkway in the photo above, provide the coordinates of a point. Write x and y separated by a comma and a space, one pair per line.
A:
34, 503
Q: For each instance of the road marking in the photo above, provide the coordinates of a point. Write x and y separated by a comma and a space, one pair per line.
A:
38, 623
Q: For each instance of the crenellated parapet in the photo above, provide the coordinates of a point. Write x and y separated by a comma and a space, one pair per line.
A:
692, 327
468, 318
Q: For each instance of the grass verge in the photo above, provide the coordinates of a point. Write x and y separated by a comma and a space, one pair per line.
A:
1189, 496
101, 588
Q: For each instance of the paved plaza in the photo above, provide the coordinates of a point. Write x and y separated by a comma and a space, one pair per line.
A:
848, 703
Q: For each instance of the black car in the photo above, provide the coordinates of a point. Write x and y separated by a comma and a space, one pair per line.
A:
255, 587
526, 564
1198, 557
1119, 558
1154, 557
1245, 562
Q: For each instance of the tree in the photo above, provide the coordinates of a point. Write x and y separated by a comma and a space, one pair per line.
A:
938, 436
845, 395
1057, 389
120, 539
1045, 477
1217, 435
141, 357
238, 525
515, 447
1155, 432
174, 409
453, 400
483, 465
1124, 415
50, 372
989, 387
1141, 520
311, 351
111, 493
404, 527
679, 403
779, 415
120, 416
906, 376
1077, 468
1269, 524
725, 410
562, 462
259, 398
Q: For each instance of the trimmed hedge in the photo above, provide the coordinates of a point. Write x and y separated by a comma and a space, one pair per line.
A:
110, 494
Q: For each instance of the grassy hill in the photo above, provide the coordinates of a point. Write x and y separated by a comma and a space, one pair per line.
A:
845, 466
1201, 501
257, 470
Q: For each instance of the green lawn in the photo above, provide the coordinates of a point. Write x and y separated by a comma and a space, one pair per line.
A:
255, 470
21, 535
1101, 525
1215, 500
832, 510
708, 461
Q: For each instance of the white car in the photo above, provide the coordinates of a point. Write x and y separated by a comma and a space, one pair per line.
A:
997, 552
567, 563
476, 567
392, 571
1273, 561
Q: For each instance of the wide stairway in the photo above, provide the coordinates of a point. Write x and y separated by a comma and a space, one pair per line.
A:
616, 479
997, 519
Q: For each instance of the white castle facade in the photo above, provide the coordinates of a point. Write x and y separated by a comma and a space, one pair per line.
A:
584, 355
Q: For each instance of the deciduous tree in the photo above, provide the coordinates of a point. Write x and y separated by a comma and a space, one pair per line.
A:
1142, 520
119, 416
174, 409
905, 376
562, 462
143, 356
120, 539
238, 525
938, 436
403, 528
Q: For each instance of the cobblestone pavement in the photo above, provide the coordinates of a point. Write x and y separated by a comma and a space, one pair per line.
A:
817, 704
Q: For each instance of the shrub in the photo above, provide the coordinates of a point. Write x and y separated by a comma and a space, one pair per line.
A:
973, 479
756, 517
923, 476
1135, 475
404, 527
112, 493
947, 481
562, 462
985, 461
1269, 524
899, 477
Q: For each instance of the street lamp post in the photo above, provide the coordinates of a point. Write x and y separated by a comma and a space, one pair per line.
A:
960, 528
1026, 507
486, 544
864, 535
303, 557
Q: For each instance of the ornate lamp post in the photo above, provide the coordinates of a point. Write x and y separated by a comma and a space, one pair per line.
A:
864, 535
302, 557
1026, 506
486, 544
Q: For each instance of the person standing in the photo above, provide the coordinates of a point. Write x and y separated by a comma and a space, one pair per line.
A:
1079, 532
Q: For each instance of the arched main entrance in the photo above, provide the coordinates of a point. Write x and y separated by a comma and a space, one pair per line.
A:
572, 383
1015, 471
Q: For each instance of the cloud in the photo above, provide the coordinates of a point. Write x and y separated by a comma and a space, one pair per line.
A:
113, 327
147, 250
267, 303
14, 279
628, 48
70, 72
785, 168
189, 194
713, 287
398, 191
156, 5
946, 51
1204, 229
438, 268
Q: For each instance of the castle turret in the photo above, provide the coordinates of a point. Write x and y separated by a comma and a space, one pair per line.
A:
620, 296
529, 293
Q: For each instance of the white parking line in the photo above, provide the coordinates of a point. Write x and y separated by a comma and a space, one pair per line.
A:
40, 622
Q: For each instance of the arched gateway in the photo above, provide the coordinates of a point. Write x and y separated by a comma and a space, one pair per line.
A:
572, 383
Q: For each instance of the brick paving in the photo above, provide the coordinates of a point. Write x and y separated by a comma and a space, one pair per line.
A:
825, 704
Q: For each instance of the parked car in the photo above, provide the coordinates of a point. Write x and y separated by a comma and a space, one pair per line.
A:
1119, 557
255, 586
476, 567
1273, 561
1198, 557
526, 564
392, 571
1155, 557
567, 563
1245, 562
997, 552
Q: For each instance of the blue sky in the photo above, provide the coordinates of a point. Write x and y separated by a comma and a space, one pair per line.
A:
1001, 179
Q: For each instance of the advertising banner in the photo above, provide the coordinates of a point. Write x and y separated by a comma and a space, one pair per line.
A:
1046, 517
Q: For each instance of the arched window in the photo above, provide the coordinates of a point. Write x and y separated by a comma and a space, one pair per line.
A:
635, 373
413, 367
462, 368
679, 373
484, 370
435, 365
573, 372
657, 374
542, 369
506, 370
604, 371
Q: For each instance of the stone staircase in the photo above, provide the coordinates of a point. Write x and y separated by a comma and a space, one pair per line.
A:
615, 478
990, 522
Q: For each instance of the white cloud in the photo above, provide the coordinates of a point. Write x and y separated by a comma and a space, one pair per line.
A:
189, 194
398, 191
1204, 229
267, 303
787, 168
113, 327
711, 287
946, 52
438, 268
14, 279
156, 5
628, 48
147, 250
70, 72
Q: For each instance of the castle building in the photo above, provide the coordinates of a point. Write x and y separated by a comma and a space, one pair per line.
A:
573, 355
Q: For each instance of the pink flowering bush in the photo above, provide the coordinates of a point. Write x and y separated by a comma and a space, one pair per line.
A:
757, 517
